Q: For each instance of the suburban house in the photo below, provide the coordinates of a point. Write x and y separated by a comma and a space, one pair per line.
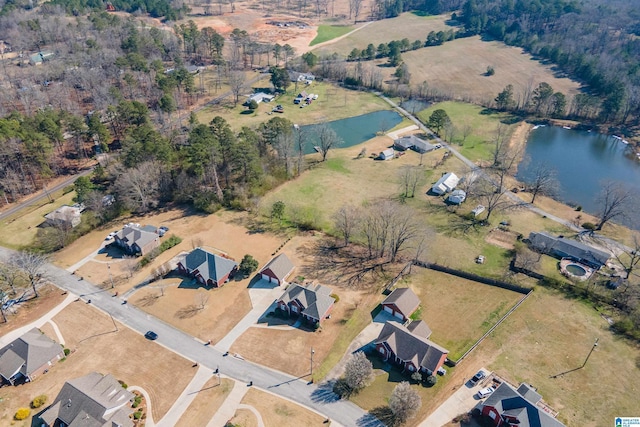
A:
410, 347
65, 216
522, 407
277, 270
27, 357
207, 268
401, 303
457, 197
135, 240
295, 76
414, 143
94, 400
259, 97
446, 183
312, 302
561, 247
387, 154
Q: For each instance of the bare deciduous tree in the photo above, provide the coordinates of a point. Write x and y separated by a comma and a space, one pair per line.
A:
491, 197
138, 187
130, 265
542, 182
346, 221
201, 299
237, 81
11, 276
327, 139
302, 137
629, 259
614, 201
355, 7
410, 178
284, 145
32, 265
404, 402
358, 371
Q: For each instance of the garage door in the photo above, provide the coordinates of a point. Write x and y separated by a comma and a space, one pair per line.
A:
399, 315
388, 309
265, 277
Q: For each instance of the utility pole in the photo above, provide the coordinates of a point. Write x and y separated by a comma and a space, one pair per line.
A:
110, 278
312, 363
595, 344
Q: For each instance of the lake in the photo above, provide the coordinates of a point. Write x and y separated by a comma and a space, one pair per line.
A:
356, 130
582, 160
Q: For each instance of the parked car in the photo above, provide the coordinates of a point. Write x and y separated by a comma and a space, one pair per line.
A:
441, 371
162, 230
485, 392
477, 377
111, 235
150, 335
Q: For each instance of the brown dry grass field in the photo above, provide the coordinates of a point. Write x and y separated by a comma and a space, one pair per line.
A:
277, 412
207, 402
407, 25
50, 296
474, 306
294, 344
180, 307
458, 68
126, 355
244, 418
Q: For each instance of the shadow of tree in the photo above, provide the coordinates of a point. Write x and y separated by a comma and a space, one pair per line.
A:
384, 415
148, 300
188, 311
324, 393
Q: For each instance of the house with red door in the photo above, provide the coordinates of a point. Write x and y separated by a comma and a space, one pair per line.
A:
312, 302
277, 270
401, 303
207, 268
410, 348
508, 406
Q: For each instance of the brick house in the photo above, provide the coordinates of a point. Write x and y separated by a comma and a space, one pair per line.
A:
312, 302
401, 303
410, 348
29, 356
207, 268
277, 270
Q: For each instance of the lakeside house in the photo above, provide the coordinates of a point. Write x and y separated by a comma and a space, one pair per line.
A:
414, 143
387, 154
29, 356
445, 184
561, 247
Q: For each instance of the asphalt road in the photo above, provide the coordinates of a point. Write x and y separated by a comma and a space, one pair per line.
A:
35, 199
318, 397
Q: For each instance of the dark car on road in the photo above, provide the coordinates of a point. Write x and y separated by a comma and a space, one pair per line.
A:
150, 335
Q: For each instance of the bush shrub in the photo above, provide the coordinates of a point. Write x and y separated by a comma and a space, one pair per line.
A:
123, 384
22, 414
416, 376
588, 226
67, 351
138, 414
136, 401
38, 401
335, 297
431, 380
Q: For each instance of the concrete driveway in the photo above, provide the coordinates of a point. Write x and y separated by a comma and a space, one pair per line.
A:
460, 402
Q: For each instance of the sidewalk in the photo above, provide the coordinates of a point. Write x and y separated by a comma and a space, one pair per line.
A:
183, 401
229, 406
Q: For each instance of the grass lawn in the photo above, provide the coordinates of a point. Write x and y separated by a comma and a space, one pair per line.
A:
474, 306
206, 403
330, 32
280, 412
333, 103
407, 25
20, 229
477, 145
549, 334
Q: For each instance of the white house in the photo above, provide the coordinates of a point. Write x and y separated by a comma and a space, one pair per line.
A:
457, 197
387, 154
259, 97
446, 183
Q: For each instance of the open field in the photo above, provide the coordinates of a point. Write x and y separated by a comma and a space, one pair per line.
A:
458, 67
96, 346
333, 103
474, 306
330, 32
206, 403
407, 25
29, 311
181, 306
20, 229
258, 344
277, 412
550, 334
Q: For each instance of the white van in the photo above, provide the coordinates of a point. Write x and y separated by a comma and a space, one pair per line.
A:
485, 392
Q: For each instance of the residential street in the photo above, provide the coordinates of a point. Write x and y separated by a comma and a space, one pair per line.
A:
318, 397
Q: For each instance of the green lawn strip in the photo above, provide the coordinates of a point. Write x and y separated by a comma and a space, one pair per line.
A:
329, 32
360, 318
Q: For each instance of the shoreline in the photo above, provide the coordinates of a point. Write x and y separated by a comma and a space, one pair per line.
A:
518, 142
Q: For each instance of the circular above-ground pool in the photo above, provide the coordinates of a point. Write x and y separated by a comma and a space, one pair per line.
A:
576, 270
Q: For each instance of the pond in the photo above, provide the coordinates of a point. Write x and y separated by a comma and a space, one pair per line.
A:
355, 130
582, 161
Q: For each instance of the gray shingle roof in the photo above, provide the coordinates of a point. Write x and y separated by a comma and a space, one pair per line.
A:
316, 300
546, 243
404, 299
280, 266
410, 347
209, 265
92, 400
420, 328
33, 348
507, 400
134, 235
